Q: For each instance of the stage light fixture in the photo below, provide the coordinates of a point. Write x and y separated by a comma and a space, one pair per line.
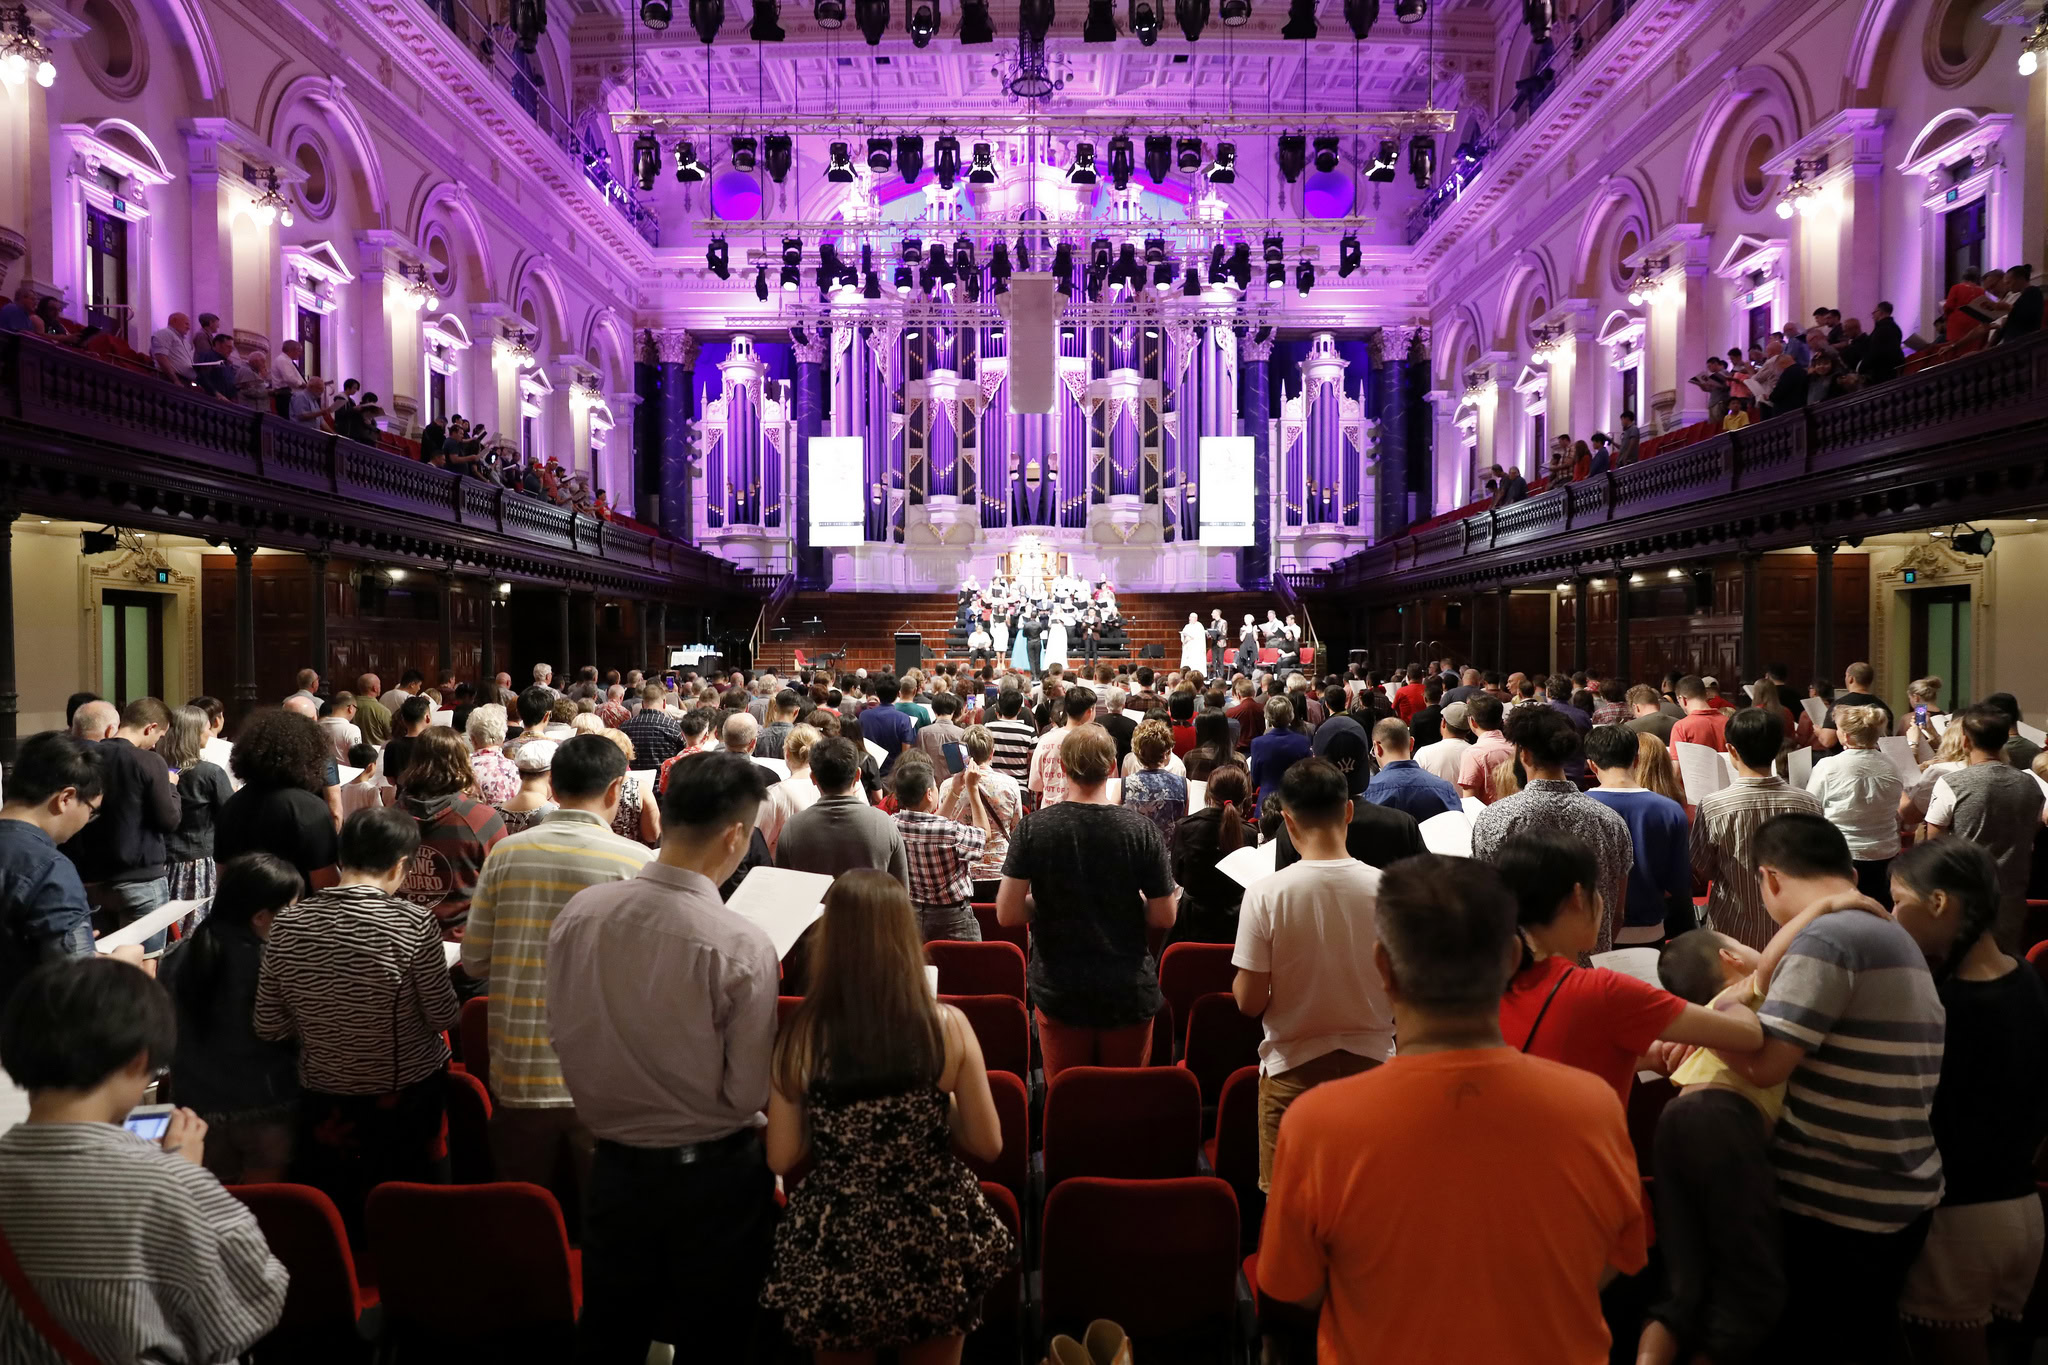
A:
1162, 277
999, 262
1034, 19
1384, 162
912, 256
839, 164
938, 268
1360, 16
902, 280
1191, 16
1145, 21
1422, 160
791, 277
717, 259
1216, 255
829, 275
792, 260
872, 288
975, 28
982, 171
761, 283
923, 21
776, 151
829, 14
1292, 155
1536, 14
1304, 278
1023, 253
871, 17
1301, 21
1223, 171
646, 160
1241, 264
1123, 160
1158, 157
945, 160
1349, 256
767, 26
1188, 154
1082, 172
707, 17
1234, 13
745, 154
1063, 268
878, 155
1100, 25
689, 169
1410, 11
656, 14
1099, 255
963, 255
1326, 154
527, 19
1191, 286
1275, 253
910, 156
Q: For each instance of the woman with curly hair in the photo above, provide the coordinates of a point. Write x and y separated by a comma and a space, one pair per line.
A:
281, 759
456, 829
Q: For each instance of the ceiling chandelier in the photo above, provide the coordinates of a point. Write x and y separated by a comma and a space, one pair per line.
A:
1028, 75
22, 54
419, 290
270, 206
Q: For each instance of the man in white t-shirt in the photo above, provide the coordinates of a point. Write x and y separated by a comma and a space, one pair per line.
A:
1447, 755
1305, 942
170, 346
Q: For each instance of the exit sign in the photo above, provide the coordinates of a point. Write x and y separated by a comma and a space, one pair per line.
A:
1951, 196
1912, 576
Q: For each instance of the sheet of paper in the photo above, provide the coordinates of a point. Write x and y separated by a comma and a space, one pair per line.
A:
1940, 724
643, 778
1473, 805
1899, 750
1816, 710
1389, 688
1640, 963
1198, 795
1449, 834
1249, 864
357, 796
349, 775
2039, 783
216, 751
1751, 689
1799, 767
445, 717
876, 751
451, 951
2028, 732
931, 979
1700, 769
150, 925
1116, 791
779, 767
782, 901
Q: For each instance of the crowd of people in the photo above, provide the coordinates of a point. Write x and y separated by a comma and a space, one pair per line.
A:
1845, 1174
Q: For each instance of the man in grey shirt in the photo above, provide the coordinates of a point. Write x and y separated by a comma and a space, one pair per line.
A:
661, 1007
1990, 802
1650, 717
841, 830
943, 730
775, 732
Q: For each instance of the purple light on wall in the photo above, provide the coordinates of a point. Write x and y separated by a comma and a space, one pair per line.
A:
736, 195
1327, 194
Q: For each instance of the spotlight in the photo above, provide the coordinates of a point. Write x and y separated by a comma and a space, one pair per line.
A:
1536, 14
716, 258
999, 263
963, 255
765, 28
1145, 21
1023, 253
939, 268
689, 170
1063, 268
1304, 278
1241, 264
1162, 277
707, 17
1234, 13
839, 164
1410, 11
871, 17
1301, 21
829, 271
790, 278
1034, 19
1123, 162
744, 155
1360, 16
761, 283
983, 169
1384, 162
1349, 256
902, 280
872, 289
1192, 285
975, 27
1275, 252
1326, 154
945, 159
910, 157
1422, 160
776, 152
878, 155
655, 14
1100, 25
1215, 264
1188, 153
646, 160
527, 19
1158, 157
792, 258
1082, 172
1293, 156
1971, 542
912, 255
922, 21
1224, 170
829, 14
1191, 16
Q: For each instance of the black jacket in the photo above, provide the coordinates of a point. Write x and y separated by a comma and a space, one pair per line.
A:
138, 806
1379, 836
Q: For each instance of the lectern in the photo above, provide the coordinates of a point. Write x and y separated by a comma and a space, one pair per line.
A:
909, 651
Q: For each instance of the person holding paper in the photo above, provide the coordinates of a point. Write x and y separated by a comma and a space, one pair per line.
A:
841, 830
661, 1010
793, 794
1091, 879
1859, 791
1660, 878
1725, 826
944, 729
941, 854
1209, 897
1857, 679
1992, 803
1704, 723
993, 800
203, 790
457, 831
1490, 749
884, 725
1304, 957
1647, 714
120, 855
1048, 775
1153, 789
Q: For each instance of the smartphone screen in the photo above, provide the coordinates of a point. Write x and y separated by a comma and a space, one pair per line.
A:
149, 1123
1920, 714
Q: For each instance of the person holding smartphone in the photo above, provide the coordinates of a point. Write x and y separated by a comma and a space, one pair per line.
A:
118, 1246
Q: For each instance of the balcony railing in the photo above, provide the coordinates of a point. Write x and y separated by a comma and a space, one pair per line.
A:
115, 409
1861, 444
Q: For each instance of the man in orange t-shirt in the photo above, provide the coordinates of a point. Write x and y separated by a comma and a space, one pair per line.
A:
1462, 1202
1703, 723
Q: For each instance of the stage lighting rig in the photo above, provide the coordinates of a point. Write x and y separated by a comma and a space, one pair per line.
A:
1304, 278
999, 265
945, 160
1216, 269
1275, 252
776, 153
646, 160
1422, 159
1326, 154
1123, 161
1292, 155
1100, 25
1063, 269
707, 17
829, 273
1301, 21
745, 156
1234, 13
1191, 286
689, 170
975, 28
912, 256
1082, 172
871, 17
656, 14
1410, 11
766, 27
1145, 21
792, 261
1241, 264
910, 156
1223, 171
717, 259
829, 14
1360, 16
878, 155
839, 164
1385, 162
1158, 157
983, 169
922, 20
1188, 154
1034, 20
1191, 16
761, 283
1349, 256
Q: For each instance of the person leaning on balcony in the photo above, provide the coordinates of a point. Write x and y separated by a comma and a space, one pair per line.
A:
170, 346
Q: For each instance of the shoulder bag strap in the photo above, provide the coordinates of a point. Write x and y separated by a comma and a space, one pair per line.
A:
1555, 986
38, 1314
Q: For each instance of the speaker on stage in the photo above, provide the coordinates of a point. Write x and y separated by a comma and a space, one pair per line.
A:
909, 651
1152, 652
1361, 657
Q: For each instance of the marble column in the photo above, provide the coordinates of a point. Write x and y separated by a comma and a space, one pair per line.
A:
675, 403
1255, 561
813, 567
1392, 374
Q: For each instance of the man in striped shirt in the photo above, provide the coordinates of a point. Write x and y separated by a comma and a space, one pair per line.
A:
1853, 1026
524, 884
1725, 827
1014, 736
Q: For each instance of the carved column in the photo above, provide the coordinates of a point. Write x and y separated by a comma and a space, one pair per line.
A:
812, 566
564, 670
10, 696
245, 628
487, 656
1393, 345
445, 581
675, 359
1752, 627
1824, 608
1255, 562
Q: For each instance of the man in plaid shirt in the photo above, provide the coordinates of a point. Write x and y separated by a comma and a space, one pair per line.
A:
942, 854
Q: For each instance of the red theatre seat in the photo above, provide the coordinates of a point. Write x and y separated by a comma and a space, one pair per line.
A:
469, 1130
1234, 1152
473, 1027
467, 1269
993, 931
1158, 1257
2038, 955
1189, 971
326, 1300
1012, 1167
1003, 1029
977, 968
1127, 1123
1220, 1040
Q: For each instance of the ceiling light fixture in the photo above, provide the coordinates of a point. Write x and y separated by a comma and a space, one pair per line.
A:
1292, 156
871, 17
689, 170
878, 155
716, 258
1360, 16
792, 261
1100, 25
761, 283
776, 154
1188, 154
910, 156
656, 14
839, 164
1304, 278
1123, 160
1082, 172
1159, 157
1301, 21
1385, 162
1144, 21
646, 160
745, 154
1350, 256
1422, 159
1191, 16
982, 171
707, 17
1275, 252
975, 28
2031, 49
1223, 171
922, 19
1234, 13
829, 14
767, 27
945, 160
1326, 154
1410, 11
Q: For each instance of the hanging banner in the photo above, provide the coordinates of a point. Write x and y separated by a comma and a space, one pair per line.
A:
1227, 489
837, 507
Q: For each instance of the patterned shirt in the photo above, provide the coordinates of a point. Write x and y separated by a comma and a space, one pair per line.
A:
1014, 739
1610, 713
1002, 801
942, 854
657, 737
1553, 808
1048, 774
456, 833
1723, 839
525, 883
614, 714
140, 1254
497, 777
359, 978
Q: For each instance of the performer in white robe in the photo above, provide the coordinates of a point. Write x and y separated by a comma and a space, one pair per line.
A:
1056, 639
999, 633
1193, 643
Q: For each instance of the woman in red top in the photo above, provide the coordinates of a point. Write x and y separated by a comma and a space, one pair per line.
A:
1181, 708
1589, 1017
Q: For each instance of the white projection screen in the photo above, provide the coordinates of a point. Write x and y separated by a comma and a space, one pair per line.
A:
1226, 490
836, 472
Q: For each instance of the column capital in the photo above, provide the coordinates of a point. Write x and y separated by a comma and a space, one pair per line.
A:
668, 346
811, 352
1253, 352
